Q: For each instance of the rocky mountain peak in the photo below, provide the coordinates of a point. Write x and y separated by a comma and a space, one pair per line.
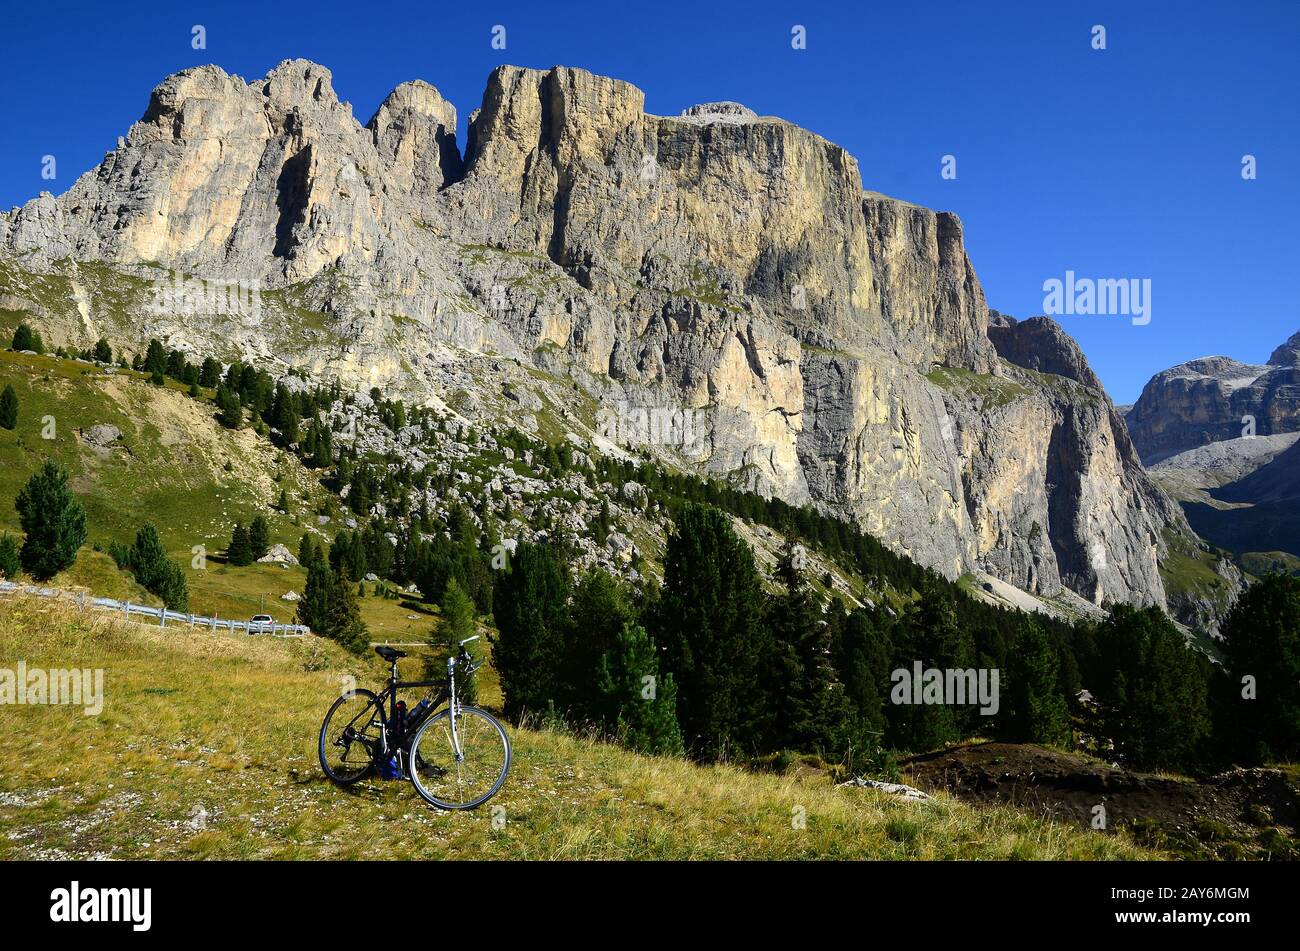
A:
724, 111
1287, 354
418, 97
296, 81
1042, 345
1208, 400
414, 131
1218, 367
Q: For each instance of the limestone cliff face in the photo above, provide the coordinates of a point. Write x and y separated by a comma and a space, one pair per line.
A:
1106, 522
828, 343
924, 282
719, 202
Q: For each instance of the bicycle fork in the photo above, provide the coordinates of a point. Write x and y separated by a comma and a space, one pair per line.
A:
453, 707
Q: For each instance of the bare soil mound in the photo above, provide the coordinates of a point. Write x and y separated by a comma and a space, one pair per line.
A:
1242, 812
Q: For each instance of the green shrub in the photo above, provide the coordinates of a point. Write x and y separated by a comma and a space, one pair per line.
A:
10, 564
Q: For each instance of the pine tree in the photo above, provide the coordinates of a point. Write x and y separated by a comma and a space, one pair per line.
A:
344, 622
176, 364
257, 389
230, 412
530, 601
172, 587
1261, 641
155, 359
709, 626
284, 415
799, 677
8, 408
639, 706
318, 595
359, 495
929, 633
863, 653
378, 550
24, 339
1152, 688
103, 352
600, 530
283, 504
53, 520
308, 550
457, 610
259, 537
1034, 710
599, 611
210, 374
147, 559
323, 453
457, 624
855, 722
240, 552
348, 553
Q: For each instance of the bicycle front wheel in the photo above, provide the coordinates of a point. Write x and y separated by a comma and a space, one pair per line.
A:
463, 778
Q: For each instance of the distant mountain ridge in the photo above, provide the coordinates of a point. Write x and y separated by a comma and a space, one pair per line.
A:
1223, 437
1211, 399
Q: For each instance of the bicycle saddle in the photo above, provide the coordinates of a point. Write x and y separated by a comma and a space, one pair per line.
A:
389, 654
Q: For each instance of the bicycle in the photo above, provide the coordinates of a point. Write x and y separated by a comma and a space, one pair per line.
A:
457, 758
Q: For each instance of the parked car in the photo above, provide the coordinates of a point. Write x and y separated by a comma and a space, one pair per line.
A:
261, 624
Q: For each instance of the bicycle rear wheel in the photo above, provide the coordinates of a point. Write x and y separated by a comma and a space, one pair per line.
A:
450, 781
351, 738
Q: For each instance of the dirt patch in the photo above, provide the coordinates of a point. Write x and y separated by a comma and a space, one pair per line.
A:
1252, 811
185, 427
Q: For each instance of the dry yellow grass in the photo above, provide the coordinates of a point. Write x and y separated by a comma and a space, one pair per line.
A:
205, 749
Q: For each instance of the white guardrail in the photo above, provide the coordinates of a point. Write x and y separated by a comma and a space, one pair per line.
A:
133, 612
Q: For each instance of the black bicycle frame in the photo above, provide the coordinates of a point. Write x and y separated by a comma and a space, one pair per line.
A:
389, 694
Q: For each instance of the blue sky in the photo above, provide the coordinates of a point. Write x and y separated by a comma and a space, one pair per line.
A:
1122, 163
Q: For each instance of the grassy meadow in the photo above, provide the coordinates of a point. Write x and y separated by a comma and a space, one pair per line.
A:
205, 748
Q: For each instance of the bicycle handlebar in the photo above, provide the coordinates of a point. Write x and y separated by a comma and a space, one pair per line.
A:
465, 659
